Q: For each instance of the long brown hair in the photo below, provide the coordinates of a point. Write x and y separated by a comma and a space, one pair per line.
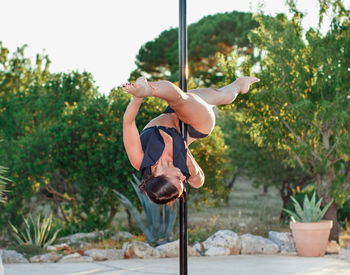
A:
159, 189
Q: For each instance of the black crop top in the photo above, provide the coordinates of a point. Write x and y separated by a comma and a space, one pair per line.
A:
153, 147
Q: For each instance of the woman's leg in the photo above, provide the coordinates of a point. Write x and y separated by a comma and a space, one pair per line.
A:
226, 94
190, 108
193, 107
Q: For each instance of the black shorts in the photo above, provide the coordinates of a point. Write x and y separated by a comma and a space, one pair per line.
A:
193, 133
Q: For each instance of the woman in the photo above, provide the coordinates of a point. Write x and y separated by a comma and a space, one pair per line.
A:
160, 153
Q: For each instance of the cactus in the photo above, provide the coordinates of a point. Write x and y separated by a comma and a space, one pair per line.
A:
160, 219
310, 212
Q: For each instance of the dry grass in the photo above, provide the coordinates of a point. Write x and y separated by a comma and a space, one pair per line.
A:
110, 244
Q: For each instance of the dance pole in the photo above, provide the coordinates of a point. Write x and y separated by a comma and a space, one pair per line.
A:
183, 86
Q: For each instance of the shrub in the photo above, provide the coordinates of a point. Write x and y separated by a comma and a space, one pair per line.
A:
37, 232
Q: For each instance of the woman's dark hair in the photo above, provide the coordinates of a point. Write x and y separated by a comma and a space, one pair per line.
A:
159, 189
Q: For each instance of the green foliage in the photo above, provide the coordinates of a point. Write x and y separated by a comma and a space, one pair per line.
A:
211, 153
303, 96
160, 219
63, 144
37, 232
28, 250
344, 213
310, 212
300, 107
215, 33
3, 182
263, 165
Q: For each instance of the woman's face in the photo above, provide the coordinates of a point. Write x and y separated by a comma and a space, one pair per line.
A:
173, 173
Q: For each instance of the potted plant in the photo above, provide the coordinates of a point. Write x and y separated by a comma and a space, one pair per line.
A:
309, 232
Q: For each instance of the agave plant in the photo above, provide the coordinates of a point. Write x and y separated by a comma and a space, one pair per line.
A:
37, 232
3, 182
311, 210
160, 219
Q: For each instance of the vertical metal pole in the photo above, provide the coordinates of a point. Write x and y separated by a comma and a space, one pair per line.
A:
183, 86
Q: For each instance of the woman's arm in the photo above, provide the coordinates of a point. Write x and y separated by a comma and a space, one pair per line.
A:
196, 179
131, 135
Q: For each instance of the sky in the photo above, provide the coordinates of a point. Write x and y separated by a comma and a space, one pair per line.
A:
104, 36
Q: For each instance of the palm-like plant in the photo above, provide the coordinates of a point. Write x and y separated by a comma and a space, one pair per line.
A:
3, 182
37, 232
160, 219
310, 212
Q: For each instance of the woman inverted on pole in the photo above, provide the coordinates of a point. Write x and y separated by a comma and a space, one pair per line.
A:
159, 152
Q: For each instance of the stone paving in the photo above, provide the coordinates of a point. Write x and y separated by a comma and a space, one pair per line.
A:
220, 265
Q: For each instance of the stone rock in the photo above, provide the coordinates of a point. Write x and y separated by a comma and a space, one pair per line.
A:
122, 235
75, 258
222, 243
285, 242
139, 250
105, 254
51, 257
51, 248
58, 247
81, 237
169, 250
1, 266
333, 248
13, 257
252, 244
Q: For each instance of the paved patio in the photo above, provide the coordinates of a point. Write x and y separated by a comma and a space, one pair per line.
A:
238, 265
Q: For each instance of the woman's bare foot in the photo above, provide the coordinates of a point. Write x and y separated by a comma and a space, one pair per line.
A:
141, 88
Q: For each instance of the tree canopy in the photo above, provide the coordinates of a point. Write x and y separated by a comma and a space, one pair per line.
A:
219, 33
301, 105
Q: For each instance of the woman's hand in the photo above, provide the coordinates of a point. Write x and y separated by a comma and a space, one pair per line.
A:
196, 179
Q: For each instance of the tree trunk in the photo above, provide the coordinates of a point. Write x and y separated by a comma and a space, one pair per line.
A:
229, 187
285, 192
112, 214
232, 182
331, 214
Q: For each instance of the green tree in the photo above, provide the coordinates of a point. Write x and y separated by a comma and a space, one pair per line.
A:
222, 33
31, 101
263, 165
301, 104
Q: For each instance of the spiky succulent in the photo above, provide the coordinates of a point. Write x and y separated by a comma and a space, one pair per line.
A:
159, 226
311, 210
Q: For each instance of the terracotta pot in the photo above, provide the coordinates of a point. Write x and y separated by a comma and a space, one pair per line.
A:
311, 238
